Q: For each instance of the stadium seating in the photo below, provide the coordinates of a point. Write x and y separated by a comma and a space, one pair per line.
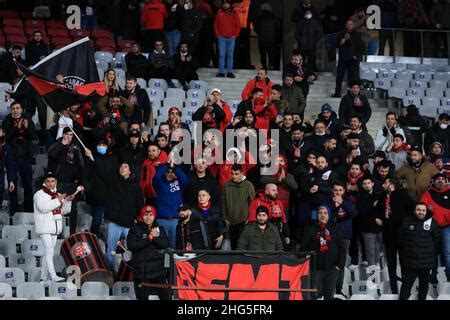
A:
22, 261
158, 84
195, 94
5, 290
389, 297
361, 297
2, 261
124, 289
176, 93
12, 276
95, 289
198, 85
18, 233
65, 290
30, 290
33, 247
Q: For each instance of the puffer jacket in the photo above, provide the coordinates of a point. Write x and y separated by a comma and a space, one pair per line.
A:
440, 201
44, 219
343, 217
147, 261
419, 242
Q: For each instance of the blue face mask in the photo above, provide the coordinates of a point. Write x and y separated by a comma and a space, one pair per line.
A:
102, 149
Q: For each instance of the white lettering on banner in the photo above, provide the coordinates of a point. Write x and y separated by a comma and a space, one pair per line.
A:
374, 17
74, 19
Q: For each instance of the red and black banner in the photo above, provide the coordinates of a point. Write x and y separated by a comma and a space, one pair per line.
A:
59, 96
243, 277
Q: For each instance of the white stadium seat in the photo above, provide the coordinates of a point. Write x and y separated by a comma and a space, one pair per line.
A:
198, 85
31, 290
18, 233
367, 74
65, 290
12, 276
386, 75
142, 83
33, 247
389, 297
411, 100
22, 261
435, 92
120, 73
404, 75
398, 93
382, 84
2, 261
21, 218
438, 84
441, 76
415, 92
400, 83
418, 84
95, 289
423, 75
175, 93
5, 291
158, 84
124, 289
155, 93
366, 287
195, 94
361, 297
104, 56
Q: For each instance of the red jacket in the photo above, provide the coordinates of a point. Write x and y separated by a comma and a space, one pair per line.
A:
265, 85
227, 24
148, 172
440, 201
228, 116
223, 171
264, 115
275, 207
153, 15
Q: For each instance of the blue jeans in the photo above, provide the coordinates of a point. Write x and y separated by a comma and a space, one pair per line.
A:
173, 40
97, 217
445, 232
114, 233
171, 229
226, 49
24, 169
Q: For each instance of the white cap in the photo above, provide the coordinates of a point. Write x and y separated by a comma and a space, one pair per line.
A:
215, 90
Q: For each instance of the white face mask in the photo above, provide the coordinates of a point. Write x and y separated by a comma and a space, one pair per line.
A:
308, 16
443, 126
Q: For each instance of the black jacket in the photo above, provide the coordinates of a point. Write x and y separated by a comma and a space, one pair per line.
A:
290, 68
34, 50
136, 65
214, 222
147, 261
212, 122
18, 141
134, 156
436, 134
173, 21
347, 109
208, 182
194, 232
335, 256
191, 25
99, 174
401, 206
66, 162
419, 242
351, 48
267, 27
125, 201
324, 180
142, 107
367, 210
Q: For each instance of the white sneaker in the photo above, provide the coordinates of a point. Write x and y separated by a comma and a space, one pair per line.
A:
353, 267
58, 279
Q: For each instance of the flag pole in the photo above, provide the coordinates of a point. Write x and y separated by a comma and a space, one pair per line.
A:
75, 134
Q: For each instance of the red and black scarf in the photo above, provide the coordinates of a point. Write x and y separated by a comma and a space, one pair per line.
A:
403, 146
204, 210
387, 206
324, 237
356, 179
54, 195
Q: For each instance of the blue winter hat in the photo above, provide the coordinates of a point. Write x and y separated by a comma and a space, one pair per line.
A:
327, 107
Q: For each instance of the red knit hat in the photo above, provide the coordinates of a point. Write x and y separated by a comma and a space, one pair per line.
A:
144, 210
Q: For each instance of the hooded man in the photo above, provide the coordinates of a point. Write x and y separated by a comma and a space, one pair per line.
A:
438, 158
330, 118
437, 199
440, 132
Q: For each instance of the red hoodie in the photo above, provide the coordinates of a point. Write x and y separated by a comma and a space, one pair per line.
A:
153, 15
223, 171
227, 24
275, 207
264, 114
228, 116
440, 201
148, 172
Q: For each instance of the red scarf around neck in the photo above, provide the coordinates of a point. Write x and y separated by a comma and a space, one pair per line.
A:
324, 237
404, 146
54, 195
354, 180
206, 207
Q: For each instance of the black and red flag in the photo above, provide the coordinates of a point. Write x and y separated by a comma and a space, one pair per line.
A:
60, 96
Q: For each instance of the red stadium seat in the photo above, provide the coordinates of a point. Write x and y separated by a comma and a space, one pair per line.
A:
102, 33
109, 49
103, 42
13, 22
56, 24
79, 33
59, 42
57, 32
125, 44
9, 14
26, 14
17, 39
29, 31
37, 24
13, 31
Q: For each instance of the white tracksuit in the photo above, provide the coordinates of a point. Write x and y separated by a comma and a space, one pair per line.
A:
48, 227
